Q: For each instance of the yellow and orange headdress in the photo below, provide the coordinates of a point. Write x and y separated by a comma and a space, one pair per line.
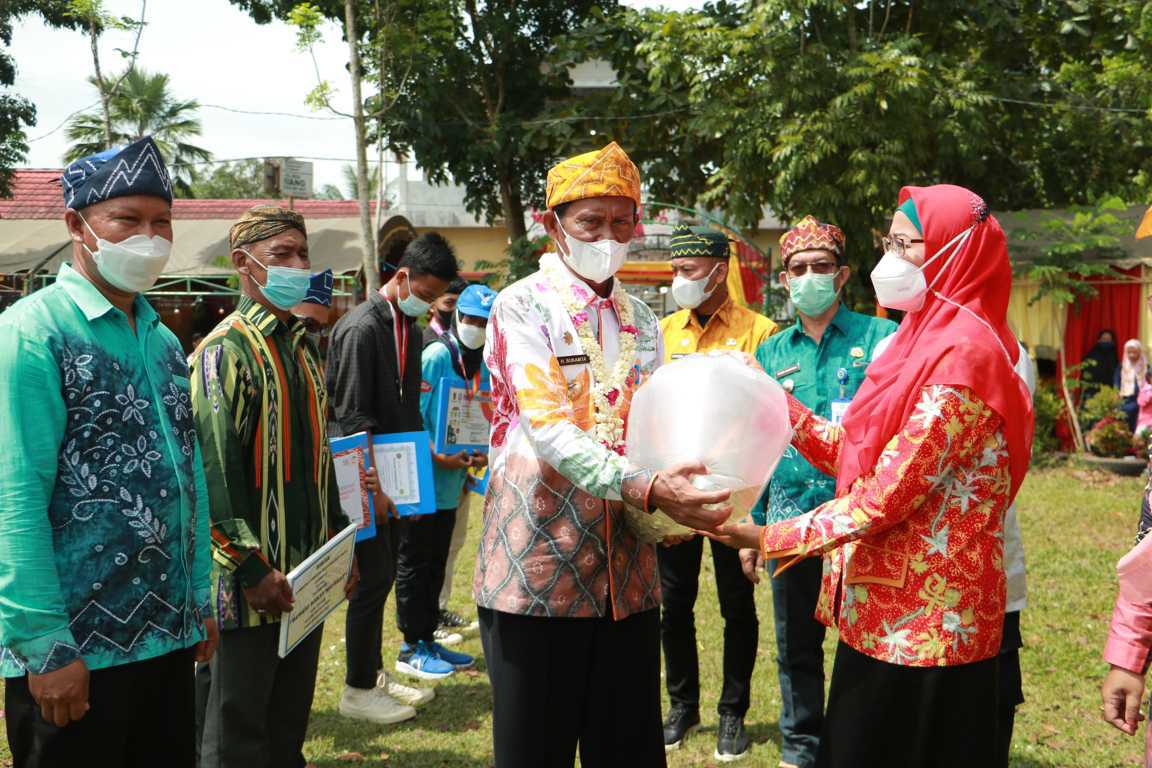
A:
607, 172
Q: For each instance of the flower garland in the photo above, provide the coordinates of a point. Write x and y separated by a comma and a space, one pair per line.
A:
607, 386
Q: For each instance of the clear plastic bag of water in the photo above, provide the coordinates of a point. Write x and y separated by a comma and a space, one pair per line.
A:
712, 409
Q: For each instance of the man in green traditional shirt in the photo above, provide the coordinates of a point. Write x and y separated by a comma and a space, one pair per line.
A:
104, 556
821, 360
260, 405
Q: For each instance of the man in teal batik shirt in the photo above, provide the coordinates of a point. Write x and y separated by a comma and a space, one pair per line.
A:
104, 548
821, 360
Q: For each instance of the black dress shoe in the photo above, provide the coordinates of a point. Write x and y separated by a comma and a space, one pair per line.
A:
731, 743
681, 721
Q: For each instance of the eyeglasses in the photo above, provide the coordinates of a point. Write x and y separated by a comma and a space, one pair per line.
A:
897, 245
821, 267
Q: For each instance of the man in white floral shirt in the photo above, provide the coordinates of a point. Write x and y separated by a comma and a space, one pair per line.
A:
568, 595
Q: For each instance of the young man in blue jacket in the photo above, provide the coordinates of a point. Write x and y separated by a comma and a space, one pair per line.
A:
457, 355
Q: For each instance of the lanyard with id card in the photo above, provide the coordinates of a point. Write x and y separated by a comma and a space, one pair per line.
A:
840, 404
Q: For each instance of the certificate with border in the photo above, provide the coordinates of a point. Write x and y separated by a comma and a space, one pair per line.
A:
317, 588
463, 417
403, 463
351, 460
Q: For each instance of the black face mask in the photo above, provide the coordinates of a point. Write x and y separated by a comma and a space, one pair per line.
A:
445, 318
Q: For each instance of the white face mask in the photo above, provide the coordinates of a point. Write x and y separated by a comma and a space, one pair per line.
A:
900, 284
597, 261
470, 336
134, 264
690, 294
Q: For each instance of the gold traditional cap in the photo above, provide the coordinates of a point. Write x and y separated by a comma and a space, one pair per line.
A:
1145, 229
607, 172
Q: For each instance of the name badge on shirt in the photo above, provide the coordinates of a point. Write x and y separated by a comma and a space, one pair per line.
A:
839, 409
840, 404
788, 371
573, 360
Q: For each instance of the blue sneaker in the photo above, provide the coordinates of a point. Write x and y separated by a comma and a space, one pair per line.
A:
423, 662
457, 660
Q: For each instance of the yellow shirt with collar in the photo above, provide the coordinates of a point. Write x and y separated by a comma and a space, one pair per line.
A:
733, 327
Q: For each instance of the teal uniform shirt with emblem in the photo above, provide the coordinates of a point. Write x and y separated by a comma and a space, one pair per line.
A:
814, 374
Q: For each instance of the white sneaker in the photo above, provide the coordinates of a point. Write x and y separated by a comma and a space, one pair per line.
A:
405, 694
374, 705
448, 637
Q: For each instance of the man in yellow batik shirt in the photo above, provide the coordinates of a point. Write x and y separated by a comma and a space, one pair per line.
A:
709, 320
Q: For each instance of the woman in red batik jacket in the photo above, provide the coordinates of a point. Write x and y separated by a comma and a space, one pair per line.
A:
929, 456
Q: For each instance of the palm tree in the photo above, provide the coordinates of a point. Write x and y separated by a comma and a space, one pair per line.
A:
349, 173
143, 106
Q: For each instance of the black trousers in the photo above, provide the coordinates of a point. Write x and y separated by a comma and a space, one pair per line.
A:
889, 715
140, 715
364, 623
422, 556
258, 703
1011, 686
799, 659
559, 683
680, 583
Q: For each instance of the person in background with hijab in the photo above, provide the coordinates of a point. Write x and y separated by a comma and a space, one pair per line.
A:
930, 454
457, 355
443, 311
1130, 376
1098, 368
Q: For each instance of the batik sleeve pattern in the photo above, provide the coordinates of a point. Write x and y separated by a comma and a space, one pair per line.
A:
34, 621
817, 439
553, 420
940, 446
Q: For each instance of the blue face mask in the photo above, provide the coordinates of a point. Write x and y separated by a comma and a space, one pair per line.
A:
285, 287
412, 305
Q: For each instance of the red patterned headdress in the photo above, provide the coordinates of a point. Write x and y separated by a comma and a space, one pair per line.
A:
809, 235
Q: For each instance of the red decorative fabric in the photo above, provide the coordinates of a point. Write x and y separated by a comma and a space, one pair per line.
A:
914, 552
943, 344
1116, 307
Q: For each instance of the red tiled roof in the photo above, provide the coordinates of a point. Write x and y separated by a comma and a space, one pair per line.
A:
36, 194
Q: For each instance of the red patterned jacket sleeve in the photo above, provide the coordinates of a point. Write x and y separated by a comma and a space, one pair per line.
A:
817, 439
942, 443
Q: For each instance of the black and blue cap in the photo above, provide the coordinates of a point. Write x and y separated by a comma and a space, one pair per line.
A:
320, 289
137, 169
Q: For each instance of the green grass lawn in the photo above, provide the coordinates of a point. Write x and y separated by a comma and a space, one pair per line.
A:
1076, 525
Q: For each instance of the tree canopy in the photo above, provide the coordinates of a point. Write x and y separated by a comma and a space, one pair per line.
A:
17, 113
829, 108
143, 106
